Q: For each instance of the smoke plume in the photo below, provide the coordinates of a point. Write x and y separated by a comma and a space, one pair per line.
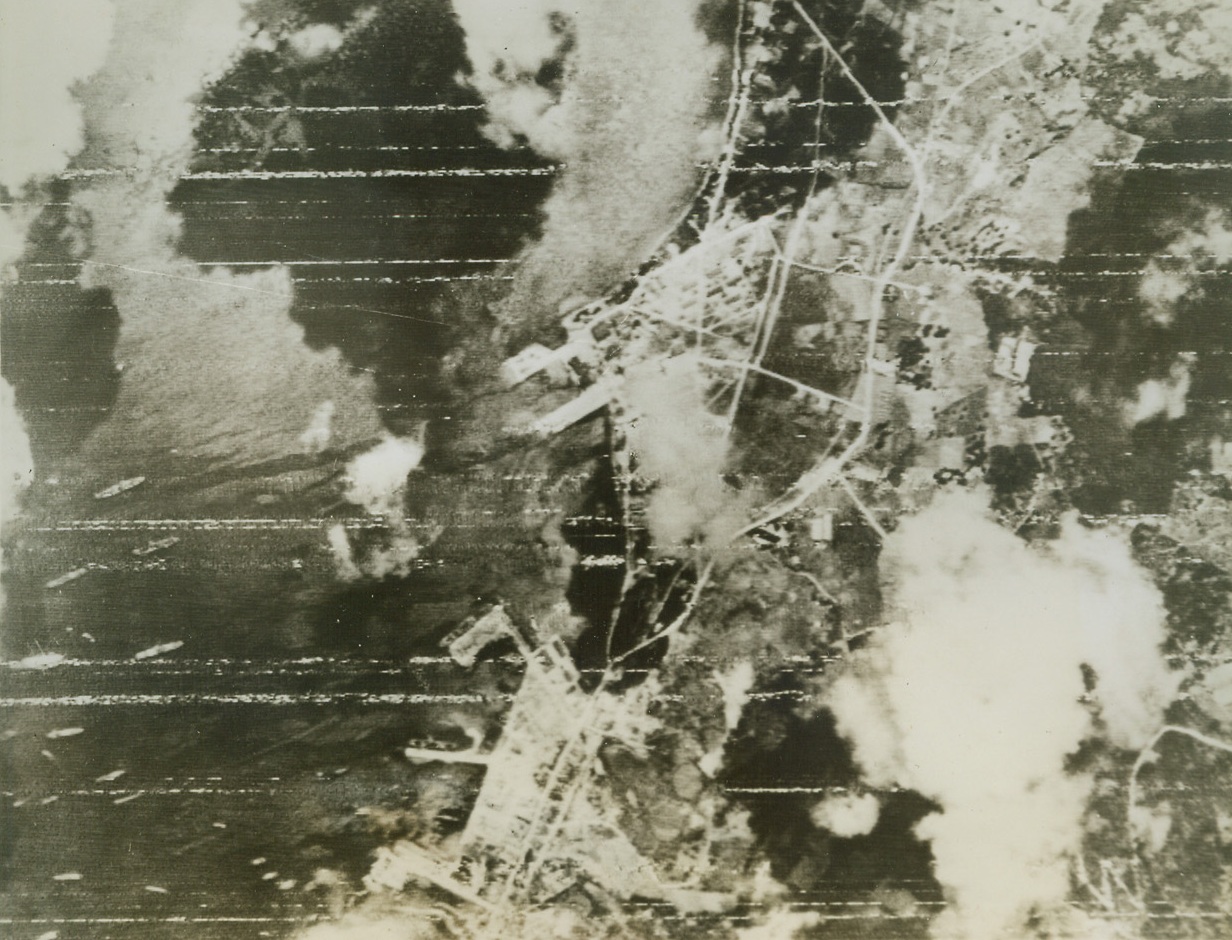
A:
16, 461
1165, 398
385, 921
213, 366
972, 698
377, 480
16, 466
45, 50
681, 445
621, 94
847, 814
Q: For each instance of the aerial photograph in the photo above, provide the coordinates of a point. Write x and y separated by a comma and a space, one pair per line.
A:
604, 469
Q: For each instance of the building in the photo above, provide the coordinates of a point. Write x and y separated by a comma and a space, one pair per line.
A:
557, 363
518, 368
468, 641
821, 527
1013, 358
591, 400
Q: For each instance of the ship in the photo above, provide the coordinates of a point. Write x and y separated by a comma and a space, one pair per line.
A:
156, 545
67, 577
117, 488
158, 650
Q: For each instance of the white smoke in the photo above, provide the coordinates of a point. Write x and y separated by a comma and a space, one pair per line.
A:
847, 814
316, 436
508, 44
16, 460
385, 921
630, 119
16, 466
1174, 273
45, 49
140, 106
317, 40
213, 365
311, 41
972, 698
344, 555
681, 445
736, 684
780, 924
377, 481
1166, 398
1161, 289
14, 220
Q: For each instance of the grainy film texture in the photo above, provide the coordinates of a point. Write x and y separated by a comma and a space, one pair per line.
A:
740, 469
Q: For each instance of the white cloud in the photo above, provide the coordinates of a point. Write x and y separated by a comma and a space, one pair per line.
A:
631, 118
1161, 289
735, 683
316, 40
779, 925
508, 43
377, 481
344, 557
1168, 278
140, 105
379, 922
16, 463
213, 365
316, 436
847, 814
45, 48
972, 698
679, 444
1162, 398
